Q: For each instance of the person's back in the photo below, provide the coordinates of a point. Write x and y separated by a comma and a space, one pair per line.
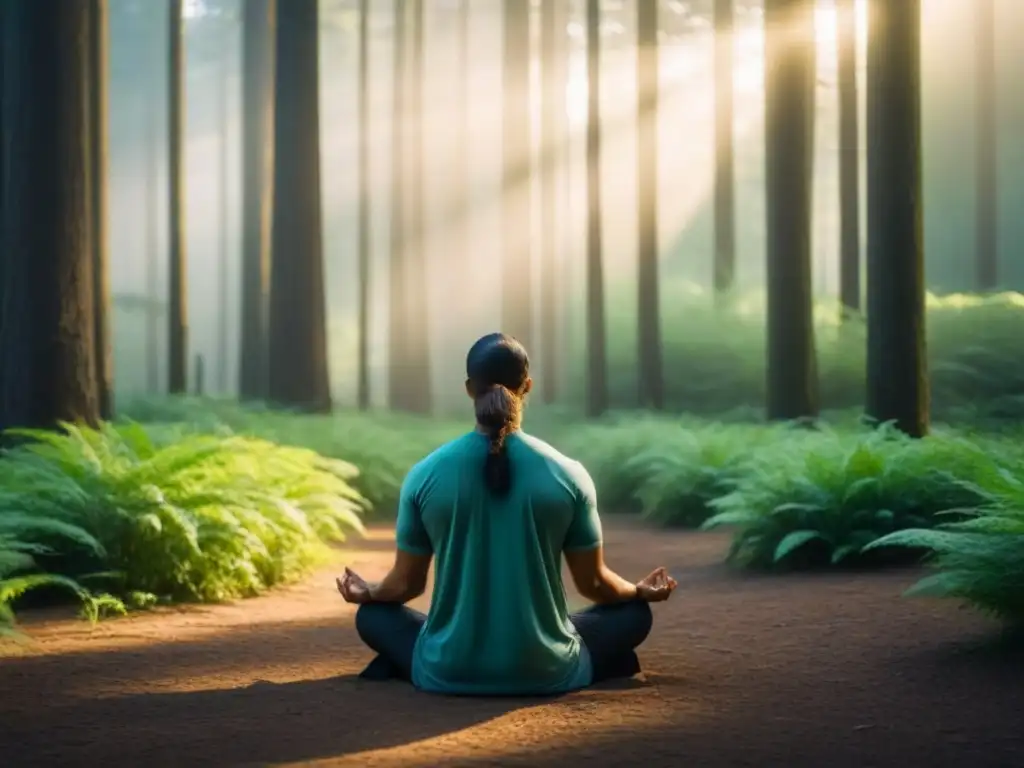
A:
497, 509
499, 621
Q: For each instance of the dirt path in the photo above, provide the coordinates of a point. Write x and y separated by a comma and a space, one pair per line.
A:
794, 672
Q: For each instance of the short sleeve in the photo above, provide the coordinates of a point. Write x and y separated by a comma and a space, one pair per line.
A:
410, 534
585, 530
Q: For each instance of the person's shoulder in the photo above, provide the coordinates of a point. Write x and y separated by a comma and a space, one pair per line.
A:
568, 469
440, 455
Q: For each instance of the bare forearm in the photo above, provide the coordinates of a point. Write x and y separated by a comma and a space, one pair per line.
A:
394, 589
609, 587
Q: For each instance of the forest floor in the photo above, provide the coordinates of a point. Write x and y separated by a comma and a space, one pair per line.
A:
801, 671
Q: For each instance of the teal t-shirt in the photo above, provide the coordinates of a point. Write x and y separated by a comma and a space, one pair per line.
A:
498, 621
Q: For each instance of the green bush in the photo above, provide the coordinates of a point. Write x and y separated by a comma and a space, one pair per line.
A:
979, 559
199, 517
821, 498
714, 360
23, 538
382, 445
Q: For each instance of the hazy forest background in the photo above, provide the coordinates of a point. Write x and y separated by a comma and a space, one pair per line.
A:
138, 154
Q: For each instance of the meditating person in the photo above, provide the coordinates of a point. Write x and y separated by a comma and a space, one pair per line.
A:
497, 508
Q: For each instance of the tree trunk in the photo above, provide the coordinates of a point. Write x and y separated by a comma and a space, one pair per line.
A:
897, 376
849, 159
99, 40
553, 76
151, 162
986, 151
223, 255
648, 301
363, 214
398, 374
257, 185
517, 302
417, 299
177, 310
792, 376
298, 373
47, 352
725, 185
3, 165
597, 366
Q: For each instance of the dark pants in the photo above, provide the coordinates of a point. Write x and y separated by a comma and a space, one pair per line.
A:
611, 633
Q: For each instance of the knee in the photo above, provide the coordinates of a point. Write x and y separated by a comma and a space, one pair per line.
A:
642, 619
368, 617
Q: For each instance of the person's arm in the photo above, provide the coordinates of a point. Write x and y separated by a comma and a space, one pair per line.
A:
596, 581
407, 578
584, 550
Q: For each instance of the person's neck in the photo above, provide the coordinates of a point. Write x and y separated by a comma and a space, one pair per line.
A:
512, 430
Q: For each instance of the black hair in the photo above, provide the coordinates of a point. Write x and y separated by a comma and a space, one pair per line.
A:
497, 368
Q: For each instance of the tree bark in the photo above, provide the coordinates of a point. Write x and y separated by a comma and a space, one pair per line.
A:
553, 76
99, 46
257, 190
223, 255
792, 376
364, 246
725, 185
849, 159
897, 375
517, 303
177, 310
152, 245
298, 375
986, 151
398, 374
418, 331
597, 365
47, 350
648, 301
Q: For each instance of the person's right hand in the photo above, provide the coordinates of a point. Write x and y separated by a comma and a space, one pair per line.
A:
656, 587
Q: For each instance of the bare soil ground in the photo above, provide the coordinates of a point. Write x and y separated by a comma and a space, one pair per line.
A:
815, 671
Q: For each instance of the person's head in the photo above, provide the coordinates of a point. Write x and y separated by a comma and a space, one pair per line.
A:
498, 380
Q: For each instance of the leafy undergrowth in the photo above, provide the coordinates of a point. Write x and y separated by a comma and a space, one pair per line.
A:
979, 559
714, 361
382, 445
821, 500
145, 516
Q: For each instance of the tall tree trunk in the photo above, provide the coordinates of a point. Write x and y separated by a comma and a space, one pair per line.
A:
648, 300
98, 74
725, 184
897, 371
3, 165
790, 75
597, 365
151, 162
986, 150
517, 302
398, 375
47, 352
298, 322
418, 331
364, 205
553, 75
177, 311
849, 158
258, 18
223, 256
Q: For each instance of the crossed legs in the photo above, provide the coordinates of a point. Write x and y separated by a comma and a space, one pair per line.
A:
611, 634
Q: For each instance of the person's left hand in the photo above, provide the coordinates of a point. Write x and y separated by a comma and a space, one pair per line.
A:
353, 587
